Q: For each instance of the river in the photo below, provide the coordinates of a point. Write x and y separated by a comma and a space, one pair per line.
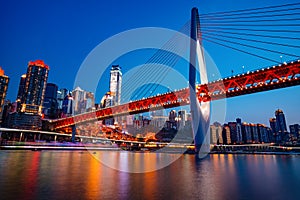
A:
80, 175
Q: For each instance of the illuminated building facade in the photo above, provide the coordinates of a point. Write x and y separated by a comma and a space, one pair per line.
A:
239, 134
35, 86
78, 97
263, 133
246, 133
280, 121
226, 134
83, 101
216, 133
3, 88
254, 133
115, 84
61, 94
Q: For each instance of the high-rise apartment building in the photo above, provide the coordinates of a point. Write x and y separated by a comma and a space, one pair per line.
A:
216, 133
35, 86
280, 121
226, 134
246, 132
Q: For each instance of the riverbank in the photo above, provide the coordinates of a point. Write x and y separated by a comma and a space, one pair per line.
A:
105, 147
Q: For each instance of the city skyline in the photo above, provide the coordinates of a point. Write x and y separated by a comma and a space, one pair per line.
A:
51, 49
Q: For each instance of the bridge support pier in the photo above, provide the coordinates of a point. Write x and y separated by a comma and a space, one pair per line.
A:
73, 133
21, 135
200, 113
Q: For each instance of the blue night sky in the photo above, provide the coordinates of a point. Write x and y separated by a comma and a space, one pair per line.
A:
63, 33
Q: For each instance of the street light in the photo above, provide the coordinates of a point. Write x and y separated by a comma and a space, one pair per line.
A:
281, 59
243, 68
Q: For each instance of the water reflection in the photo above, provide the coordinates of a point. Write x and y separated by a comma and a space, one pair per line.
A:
79, 175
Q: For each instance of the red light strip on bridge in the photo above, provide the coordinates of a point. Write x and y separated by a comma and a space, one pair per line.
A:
256, 81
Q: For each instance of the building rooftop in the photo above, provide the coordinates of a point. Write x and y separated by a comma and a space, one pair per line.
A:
39, 63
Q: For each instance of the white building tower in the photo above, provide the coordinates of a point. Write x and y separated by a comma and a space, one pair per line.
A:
115, 84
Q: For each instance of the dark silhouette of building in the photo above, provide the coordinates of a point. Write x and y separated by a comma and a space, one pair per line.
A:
50, 105
21, 87
295, 130
254, 133
246, 132
280, 121
3, 89
21, 91
67, 106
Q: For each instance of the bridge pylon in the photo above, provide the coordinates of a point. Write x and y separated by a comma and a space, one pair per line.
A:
200, 112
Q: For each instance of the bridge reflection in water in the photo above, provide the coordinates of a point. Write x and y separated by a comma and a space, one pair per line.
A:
77, 175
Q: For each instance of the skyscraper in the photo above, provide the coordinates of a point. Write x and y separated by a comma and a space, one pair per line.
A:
226, 134
50, 105
61, 94
3, 88
239, 130
295, 130
90, 101
254, 132
182, 117
78, 96
35, 86
273, 125
216, 133
115, 84
21, 87
246, 132
280, 121
274, 128
67, 105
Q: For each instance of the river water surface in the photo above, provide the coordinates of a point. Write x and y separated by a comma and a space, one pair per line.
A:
78, 175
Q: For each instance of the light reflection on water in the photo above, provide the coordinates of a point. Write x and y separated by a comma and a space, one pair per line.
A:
79, 175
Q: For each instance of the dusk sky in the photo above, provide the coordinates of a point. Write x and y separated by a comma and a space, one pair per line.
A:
63, 33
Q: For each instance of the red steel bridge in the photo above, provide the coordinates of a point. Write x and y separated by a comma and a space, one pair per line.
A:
198, 96
274, 77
